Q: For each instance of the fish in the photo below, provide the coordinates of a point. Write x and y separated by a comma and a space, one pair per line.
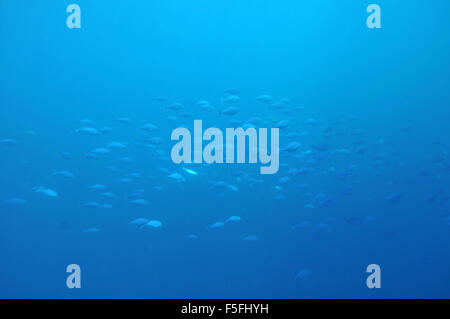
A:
91, 204
91, 230
311, 121
189, 171
303, 224
100, 151
255, 120
232, 91
126, 159
232, 188
149, 127
97, 186
140, 202
65, 155
134, 175
135, 195
447, 221
354, 220
64, 173
88, 122
205, 106
264, 98
233, 219
46, 191
220, 184
16, 201
284, 180
394, 198
116, 145
250, 238
124, 120
278, 105
283, 124
105, 129
216, 225
230, 111
292, 147
303, 273
176, 177
108, 194
341, 151
92, 156
87, 130
231, 99
160, 99
154, 223
139, 222
153, 140
174, 106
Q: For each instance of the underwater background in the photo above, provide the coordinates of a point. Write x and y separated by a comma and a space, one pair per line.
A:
87, 178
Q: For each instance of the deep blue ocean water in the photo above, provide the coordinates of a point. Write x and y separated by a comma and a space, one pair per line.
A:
368, 184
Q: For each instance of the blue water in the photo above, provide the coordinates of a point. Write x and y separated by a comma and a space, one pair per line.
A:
380, 97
